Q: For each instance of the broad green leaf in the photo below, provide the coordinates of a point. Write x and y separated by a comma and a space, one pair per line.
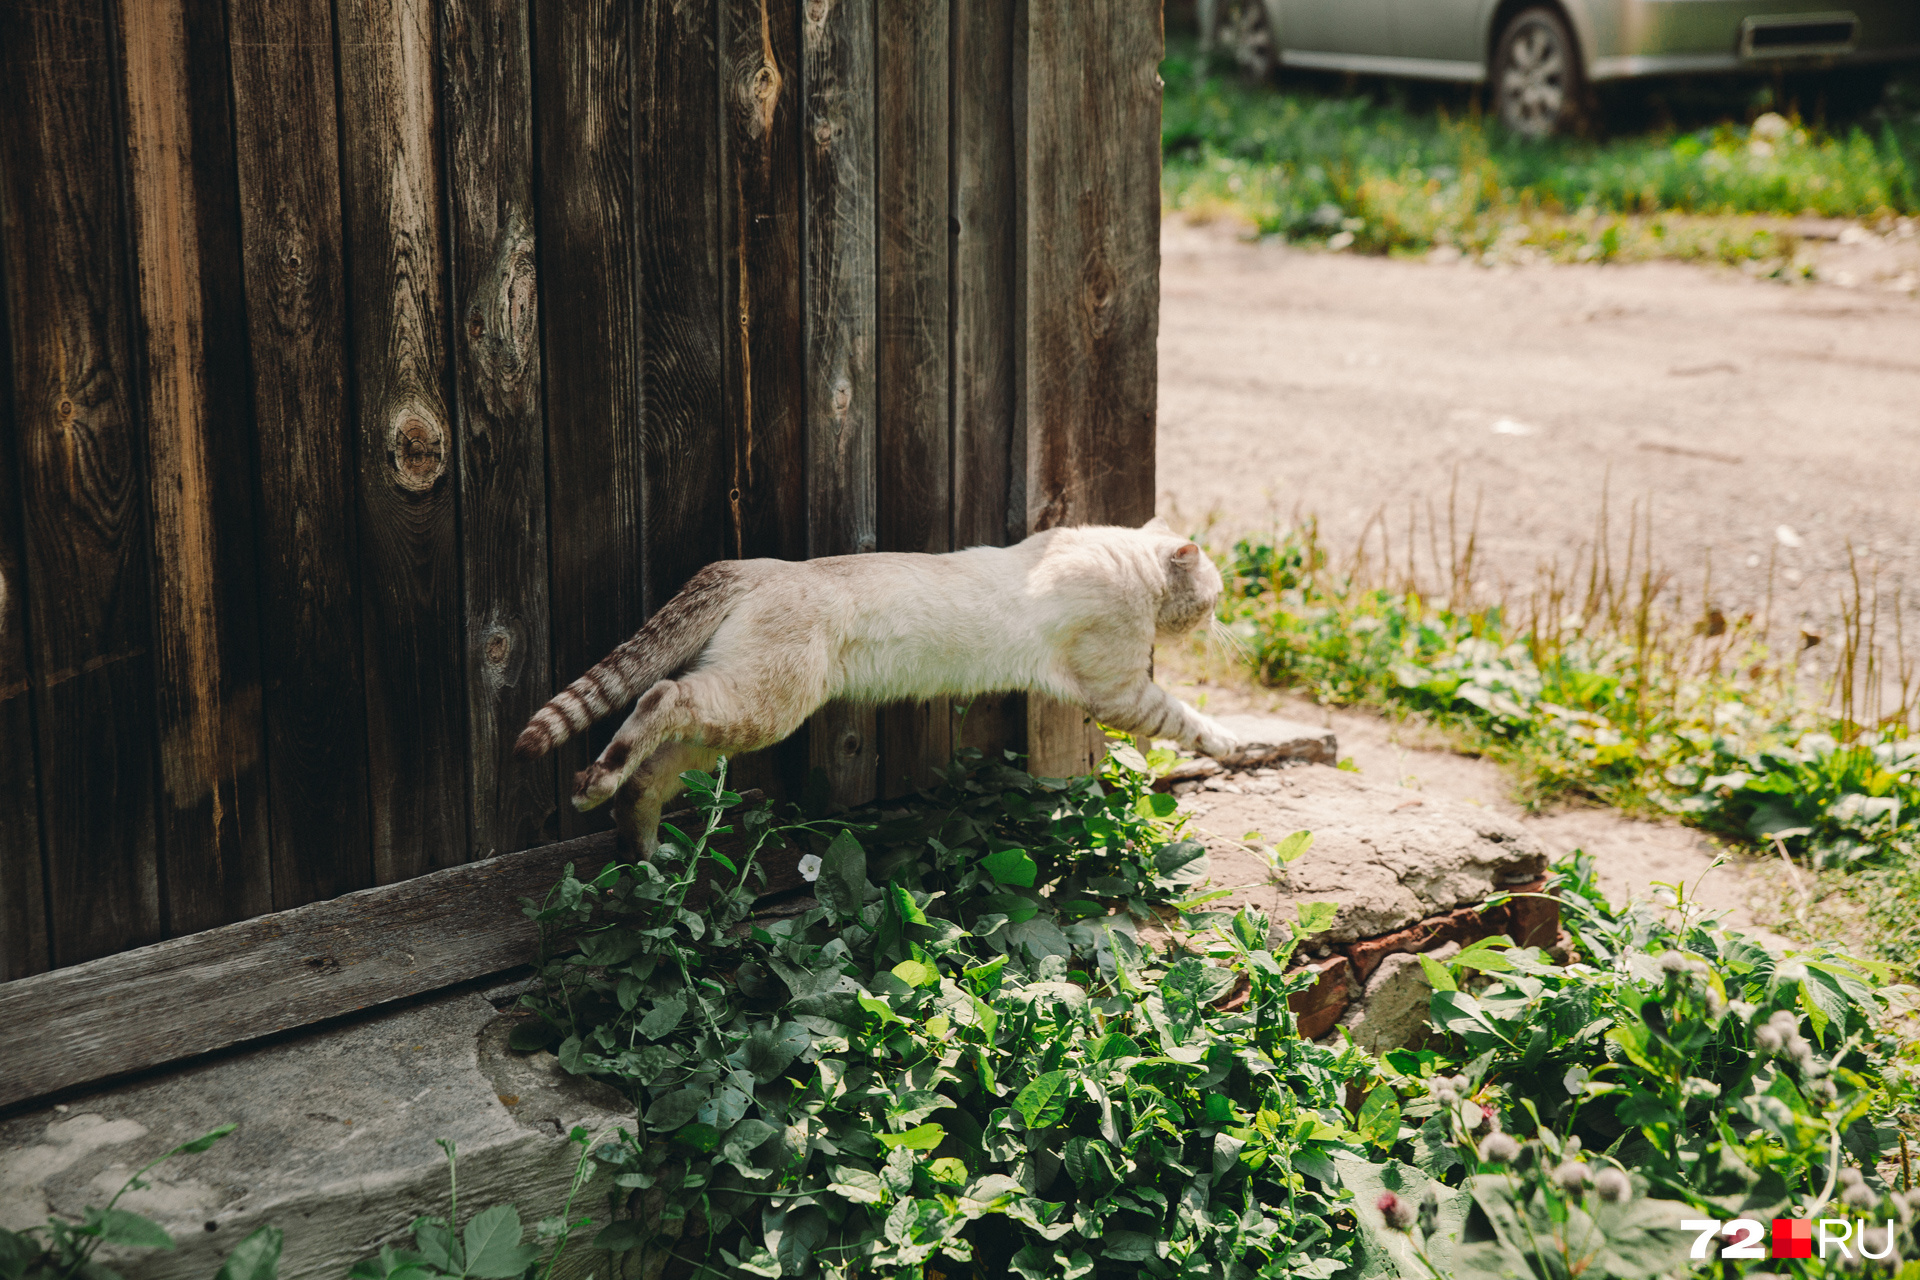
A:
1291, 848
1379, 1118
664, 1017
1043, 1101
535, 1033
949, 1169
1317, 917
1126, 1246
909, 910
1157, 804
924, 1137
494, 1251
255, 1258
1437, 976
842, 883
915, 974
856, 1184
117, 1226
1011, 866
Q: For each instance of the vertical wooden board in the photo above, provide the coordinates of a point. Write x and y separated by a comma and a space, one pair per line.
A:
412, 625
63, 236
23, 896
288, 161
914, 493
988, 509
838, 196
764, 348
589, 296
677, 132
1088, 286
1090, 292
984, 228
186, 245
502, 445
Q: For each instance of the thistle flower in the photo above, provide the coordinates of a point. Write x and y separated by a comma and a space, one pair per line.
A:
1399, 1213
1767, 1040
1849, 1176
1571, 1177
1429, 1211
1785, 1021
1612, 1185
1673, 962
1498, 1148
1860, 1196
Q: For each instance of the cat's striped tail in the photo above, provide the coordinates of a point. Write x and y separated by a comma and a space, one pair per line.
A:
670, 640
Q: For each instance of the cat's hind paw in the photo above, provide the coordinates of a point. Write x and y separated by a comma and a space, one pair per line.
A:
593, 786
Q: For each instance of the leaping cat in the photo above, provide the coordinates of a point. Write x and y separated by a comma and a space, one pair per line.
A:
750, 648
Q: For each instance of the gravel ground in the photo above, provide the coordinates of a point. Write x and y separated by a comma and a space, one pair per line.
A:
1757, 422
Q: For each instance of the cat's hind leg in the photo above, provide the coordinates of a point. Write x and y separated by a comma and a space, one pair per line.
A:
647, 790
730, 715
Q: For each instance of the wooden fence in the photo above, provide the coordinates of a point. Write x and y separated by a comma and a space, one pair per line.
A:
374, 366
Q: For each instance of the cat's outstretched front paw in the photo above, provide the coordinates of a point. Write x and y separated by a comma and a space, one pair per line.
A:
1216, 741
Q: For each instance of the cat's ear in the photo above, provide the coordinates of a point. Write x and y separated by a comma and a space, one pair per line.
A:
1156, 525
1187, 557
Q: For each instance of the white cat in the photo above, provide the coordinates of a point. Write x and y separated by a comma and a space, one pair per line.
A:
750, 648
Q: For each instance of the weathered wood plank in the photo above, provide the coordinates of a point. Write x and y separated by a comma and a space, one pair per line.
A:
23, 895
765, 373
988, 508
1088, 288
288, 162
226, 986
589, 298
185, 223
677, 141
502, 442
89, 625
914, 497
839, 192
410, 578
984, 231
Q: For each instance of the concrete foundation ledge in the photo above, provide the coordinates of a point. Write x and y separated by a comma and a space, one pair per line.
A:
334, 1145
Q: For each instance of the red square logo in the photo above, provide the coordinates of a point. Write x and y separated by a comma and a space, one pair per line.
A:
1792, 1238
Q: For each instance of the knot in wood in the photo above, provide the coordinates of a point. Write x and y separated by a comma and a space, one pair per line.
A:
850, 744
417, 447
842, 396
823, 132
499, 647
817, 11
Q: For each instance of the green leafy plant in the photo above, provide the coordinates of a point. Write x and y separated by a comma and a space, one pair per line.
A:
66, 1250
962, 1060
1672, 1071
1355, 171
1594, 687
492, 1245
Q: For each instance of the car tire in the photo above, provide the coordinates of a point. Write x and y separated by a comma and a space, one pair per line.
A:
1539, 87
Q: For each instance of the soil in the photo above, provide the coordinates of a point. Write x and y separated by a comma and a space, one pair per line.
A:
1763, 426
1630, 855
1771, 430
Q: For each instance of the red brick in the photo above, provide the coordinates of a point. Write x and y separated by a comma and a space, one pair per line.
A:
1320, 1006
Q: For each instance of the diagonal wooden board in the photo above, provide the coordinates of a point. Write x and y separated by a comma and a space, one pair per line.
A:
213, 990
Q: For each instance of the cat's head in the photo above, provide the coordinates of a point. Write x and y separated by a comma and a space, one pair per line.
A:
1193, 585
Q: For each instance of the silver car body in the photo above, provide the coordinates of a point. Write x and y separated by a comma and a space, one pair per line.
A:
1454, 39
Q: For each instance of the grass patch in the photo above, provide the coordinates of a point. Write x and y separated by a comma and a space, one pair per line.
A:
1602, 683
1379, 177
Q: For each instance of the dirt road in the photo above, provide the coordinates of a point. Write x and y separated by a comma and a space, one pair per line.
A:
1754, 419
1758, 421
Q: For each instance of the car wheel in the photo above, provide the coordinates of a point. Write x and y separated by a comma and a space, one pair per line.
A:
1239, 29
1539, 89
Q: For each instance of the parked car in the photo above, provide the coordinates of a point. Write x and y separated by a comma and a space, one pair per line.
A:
1542, 58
